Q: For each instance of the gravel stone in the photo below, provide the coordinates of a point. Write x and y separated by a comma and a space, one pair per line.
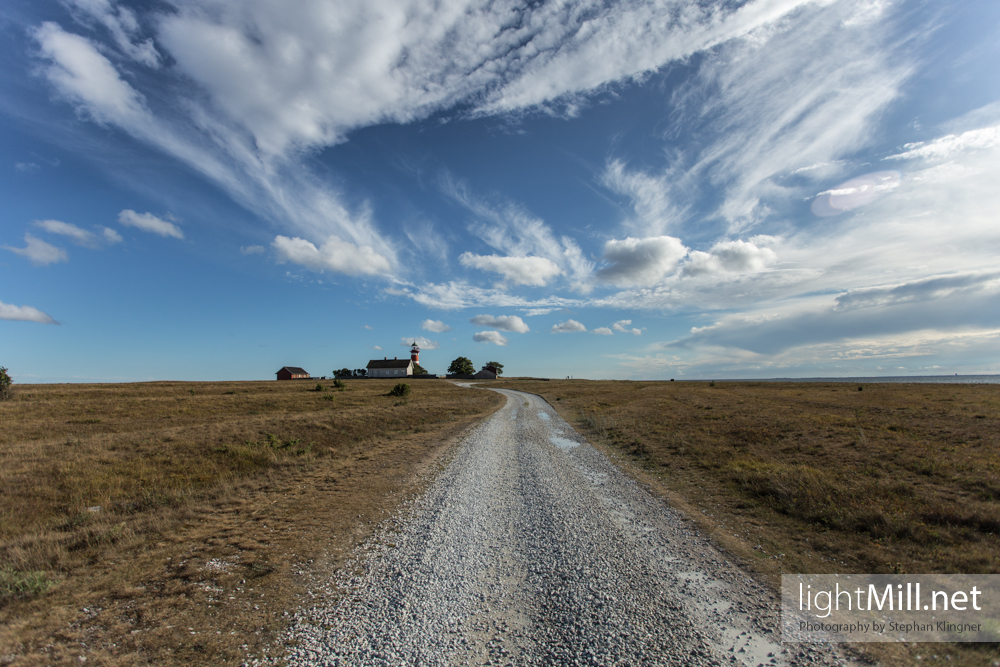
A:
532, 548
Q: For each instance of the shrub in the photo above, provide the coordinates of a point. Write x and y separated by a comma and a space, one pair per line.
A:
339, 384
319, 387
5, 383
16, 585
401, 389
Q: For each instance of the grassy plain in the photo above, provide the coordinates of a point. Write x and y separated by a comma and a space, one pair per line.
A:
815, 477
175, 523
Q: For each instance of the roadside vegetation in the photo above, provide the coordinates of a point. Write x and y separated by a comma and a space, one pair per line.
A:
815, 477
176, 523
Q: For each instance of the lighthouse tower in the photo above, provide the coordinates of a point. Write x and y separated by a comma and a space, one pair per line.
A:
415, 353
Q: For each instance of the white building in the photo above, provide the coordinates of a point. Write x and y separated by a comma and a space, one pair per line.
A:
390, 368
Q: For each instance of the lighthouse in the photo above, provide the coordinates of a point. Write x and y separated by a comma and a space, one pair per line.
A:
415, 353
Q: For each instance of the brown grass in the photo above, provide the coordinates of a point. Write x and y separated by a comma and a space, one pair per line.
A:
815, 477
177, 523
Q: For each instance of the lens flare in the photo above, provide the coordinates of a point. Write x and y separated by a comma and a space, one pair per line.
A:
856, 192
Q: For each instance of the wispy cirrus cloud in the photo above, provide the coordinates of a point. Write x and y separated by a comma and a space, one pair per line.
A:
533, 254
123, 25
256, 85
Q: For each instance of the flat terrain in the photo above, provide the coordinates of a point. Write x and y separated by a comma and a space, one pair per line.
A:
178, 523
814, 477
532, 548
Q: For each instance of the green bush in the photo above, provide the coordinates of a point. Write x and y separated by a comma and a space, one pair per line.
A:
401, 389
319, 387
339, 384
16, 585
5, 383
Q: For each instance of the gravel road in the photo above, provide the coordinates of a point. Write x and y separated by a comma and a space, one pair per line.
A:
530, 548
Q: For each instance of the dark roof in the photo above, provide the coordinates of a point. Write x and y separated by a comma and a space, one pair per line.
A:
294, 370
388, 363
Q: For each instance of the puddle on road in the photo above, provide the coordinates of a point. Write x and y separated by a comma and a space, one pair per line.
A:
564, 444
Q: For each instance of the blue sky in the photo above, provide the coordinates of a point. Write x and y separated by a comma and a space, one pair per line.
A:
212, 189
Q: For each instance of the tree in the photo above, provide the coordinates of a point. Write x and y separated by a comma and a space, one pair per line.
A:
418, 369
495, 364
5, 383
342, 373
462, 366
360, 372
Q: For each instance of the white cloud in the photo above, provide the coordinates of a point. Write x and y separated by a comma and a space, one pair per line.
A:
423, 343
252, 249
89, 80
652, 198
794, 97
729, 257
24, 314
77, 235
298, 75
494, 337
641, 262
569, 326
603, 331
532, 271
510, 229
623, 327
27, 167
376, 347
111, 237
123, 25
39, 252
947, 146
959, 302
532, 312
503, 323
437, 326
285, 192
334, 255
148, 222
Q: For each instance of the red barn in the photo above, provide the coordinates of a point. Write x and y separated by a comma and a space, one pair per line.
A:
292, 373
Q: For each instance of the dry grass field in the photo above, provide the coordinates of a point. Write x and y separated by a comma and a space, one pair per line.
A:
815, 477
175, 523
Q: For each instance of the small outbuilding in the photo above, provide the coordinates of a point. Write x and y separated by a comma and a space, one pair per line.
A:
292, 373
390, 368
488, 373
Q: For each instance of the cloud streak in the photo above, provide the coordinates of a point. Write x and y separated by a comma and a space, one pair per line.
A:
148, 222
24, 314
39, 252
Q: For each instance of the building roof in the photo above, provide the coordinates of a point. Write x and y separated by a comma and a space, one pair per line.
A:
294, 370
388, 363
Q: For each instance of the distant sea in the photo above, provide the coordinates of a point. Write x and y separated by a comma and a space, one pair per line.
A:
928, 379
